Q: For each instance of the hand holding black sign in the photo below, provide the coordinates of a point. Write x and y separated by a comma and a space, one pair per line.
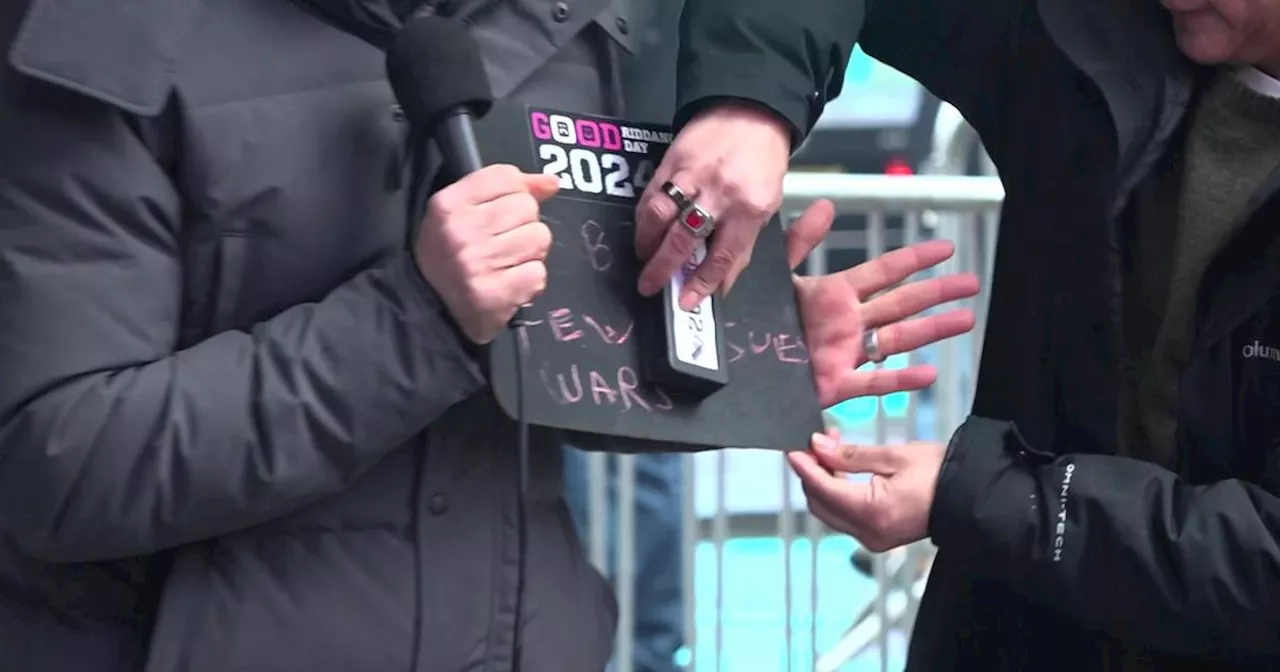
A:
581, 340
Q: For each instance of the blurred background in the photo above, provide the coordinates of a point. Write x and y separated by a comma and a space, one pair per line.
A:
716, 562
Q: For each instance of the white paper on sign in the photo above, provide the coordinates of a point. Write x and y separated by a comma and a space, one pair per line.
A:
694, 330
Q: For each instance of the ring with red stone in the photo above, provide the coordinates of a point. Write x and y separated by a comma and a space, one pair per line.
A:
692, 217
697, 221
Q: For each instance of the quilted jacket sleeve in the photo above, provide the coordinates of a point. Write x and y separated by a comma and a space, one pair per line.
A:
113, 442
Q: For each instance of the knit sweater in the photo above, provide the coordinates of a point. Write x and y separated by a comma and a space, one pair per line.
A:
1196, 205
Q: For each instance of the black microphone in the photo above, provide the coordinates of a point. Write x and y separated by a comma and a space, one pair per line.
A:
435, 69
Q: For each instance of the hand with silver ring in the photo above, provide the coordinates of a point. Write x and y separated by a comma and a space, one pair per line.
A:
872, 311
728, 163
697, 221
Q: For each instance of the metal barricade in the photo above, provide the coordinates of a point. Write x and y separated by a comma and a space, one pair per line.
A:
949, 206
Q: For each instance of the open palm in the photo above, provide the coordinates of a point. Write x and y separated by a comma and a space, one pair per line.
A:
837, 307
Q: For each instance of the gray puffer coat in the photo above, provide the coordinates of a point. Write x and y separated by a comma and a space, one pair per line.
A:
233, 416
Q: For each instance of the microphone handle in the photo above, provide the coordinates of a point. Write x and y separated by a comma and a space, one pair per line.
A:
456, 139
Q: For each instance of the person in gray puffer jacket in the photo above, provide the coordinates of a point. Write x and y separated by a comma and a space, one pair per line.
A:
240, 427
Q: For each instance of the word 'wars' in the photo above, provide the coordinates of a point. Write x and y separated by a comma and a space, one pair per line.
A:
622, 388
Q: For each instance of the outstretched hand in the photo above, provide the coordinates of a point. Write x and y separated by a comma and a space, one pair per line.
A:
837, 307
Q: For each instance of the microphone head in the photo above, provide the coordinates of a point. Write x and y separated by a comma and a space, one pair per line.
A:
434, 66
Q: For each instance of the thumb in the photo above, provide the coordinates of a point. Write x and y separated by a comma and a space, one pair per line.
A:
542, 187
808, 230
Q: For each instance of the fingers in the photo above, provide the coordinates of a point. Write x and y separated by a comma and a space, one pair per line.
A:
832, 493
487, 304
530, 242
808, 230
741, 214
829, 515
893, 267
921, 331
655, 212
739, 222
729, 249
482, 186
917, 297
542, 187
673, 251
520, 286
810, 471
524, 283
490, 201
734, 273
505, 213
660, 241
855, 459
876, 383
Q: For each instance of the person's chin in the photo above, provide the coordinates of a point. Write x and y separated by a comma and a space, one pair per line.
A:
1205, 50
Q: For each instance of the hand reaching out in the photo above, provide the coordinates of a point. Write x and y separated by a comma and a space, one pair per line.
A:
889, 509
837, 307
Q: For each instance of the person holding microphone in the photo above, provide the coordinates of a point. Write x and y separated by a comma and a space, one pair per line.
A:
242, 422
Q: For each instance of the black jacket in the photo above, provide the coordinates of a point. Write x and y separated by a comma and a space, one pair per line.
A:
1054, 553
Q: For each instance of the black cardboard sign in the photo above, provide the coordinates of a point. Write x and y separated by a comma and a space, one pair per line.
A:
582, 346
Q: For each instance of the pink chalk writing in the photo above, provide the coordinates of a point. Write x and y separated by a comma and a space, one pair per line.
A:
608, 333
620, 388
561, 321
598, 252
565, 326
785, 348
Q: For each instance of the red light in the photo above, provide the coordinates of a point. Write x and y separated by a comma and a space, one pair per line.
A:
897, 166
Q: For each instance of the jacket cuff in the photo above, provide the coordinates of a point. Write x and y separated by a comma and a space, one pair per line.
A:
425, 301
985, 498
697, 92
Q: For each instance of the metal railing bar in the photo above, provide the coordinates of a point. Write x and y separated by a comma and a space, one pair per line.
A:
690, 534
875, 248
597, 509
815, 265
856, 193
625, 581
720, 534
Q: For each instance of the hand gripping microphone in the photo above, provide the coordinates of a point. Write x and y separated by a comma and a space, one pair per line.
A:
438, 76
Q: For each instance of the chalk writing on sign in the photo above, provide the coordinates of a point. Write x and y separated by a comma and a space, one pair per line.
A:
596, 247
621, 386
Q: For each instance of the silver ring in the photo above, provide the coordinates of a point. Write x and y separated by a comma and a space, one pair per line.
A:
871, 346
696, 220
682, 200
